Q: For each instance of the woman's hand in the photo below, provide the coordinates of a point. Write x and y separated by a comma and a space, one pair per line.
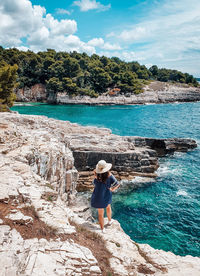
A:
115, 188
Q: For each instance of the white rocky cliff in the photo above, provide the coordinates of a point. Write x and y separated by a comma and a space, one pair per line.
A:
155, 92
162, 93
45, 228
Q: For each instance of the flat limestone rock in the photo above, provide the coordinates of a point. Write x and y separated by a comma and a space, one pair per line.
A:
175, 265
20, 218
35, 257
4, 196
95, 269
10, 181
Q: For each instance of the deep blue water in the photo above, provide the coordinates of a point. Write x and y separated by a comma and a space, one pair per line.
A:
164, 213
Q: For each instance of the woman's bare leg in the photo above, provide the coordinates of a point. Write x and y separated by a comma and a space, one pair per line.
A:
109, 212
101, 217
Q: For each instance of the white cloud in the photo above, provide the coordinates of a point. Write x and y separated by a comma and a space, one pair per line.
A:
123, 55
23, 48
63, 43
15, 21
62, 11
133, 34
64, 26
111, 34
96, 42
99, 42
111, 47
86, 5
169, 36
37, 37
21, 21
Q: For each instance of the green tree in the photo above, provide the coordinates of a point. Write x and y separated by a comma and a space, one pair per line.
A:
154, 71
8, 75
143, 73
130, 83
69, 86
190, 79
54, 85
135, 66
30, 69
57, 69
71, 67
163, 75
128, 78
45, 72
116, 60
83, 80
105, 61
100, 79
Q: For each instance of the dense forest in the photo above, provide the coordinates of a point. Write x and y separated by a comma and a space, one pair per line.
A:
80, 74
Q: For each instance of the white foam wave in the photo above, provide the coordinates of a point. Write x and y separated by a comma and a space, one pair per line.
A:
181, 193
23, 104
136, 182
163, 170
198, 142
149, 103
139, 179
178, 154
166, 169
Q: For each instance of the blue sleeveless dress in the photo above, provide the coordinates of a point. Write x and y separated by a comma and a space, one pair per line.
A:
101, 195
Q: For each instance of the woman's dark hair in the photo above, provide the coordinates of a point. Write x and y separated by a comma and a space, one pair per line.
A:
102, 176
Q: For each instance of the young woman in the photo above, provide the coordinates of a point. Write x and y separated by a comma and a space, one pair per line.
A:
104, 184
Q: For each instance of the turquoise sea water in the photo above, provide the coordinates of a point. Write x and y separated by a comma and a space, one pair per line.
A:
164, 213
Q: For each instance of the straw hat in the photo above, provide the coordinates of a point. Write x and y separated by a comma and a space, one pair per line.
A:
103, 167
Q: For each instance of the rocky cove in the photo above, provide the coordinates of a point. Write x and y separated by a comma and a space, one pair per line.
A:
42, 164
156, 92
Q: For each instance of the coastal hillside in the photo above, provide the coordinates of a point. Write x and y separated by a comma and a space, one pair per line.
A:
81, 74
45, 228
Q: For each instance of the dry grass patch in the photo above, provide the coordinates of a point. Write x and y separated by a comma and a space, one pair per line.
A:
95, 243
38, 229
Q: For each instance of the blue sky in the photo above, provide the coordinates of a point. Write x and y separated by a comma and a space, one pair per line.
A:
162, 32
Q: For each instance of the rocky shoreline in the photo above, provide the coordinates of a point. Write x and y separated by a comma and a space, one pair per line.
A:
42, 219
154, 93
131, 156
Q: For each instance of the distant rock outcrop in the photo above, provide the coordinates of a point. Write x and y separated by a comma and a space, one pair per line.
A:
156, 92
36, 93
45, 228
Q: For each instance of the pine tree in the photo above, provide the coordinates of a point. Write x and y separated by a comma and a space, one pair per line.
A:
8, 75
